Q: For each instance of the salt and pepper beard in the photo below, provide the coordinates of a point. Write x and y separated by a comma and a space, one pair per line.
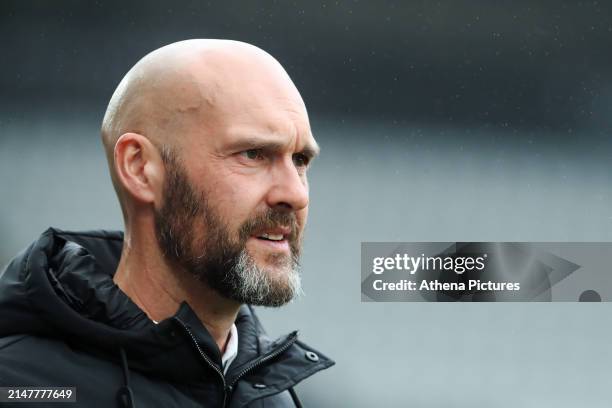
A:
192, 236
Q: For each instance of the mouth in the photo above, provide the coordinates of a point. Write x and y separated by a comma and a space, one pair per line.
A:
273, 238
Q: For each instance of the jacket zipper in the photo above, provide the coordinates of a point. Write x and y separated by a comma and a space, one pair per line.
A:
205, 357
255, 364
268, 357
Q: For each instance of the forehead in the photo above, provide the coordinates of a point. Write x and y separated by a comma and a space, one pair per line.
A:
284, 129
246, 112
237, 94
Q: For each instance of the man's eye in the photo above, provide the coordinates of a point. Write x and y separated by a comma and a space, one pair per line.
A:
253, 154
300, 160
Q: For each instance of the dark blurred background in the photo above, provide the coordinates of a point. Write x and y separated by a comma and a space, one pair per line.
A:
439, 121
509, 64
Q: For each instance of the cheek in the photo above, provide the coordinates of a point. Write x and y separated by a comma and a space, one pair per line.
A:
238, 199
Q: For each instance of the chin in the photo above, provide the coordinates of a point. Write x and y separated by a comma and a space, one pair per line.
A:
275, 271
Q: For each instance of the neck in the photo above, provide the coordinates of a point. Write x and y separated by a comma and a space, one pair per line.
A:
158, 289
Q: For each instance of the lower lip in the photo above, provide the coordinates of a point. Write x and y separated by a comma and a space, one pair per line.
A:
282, 245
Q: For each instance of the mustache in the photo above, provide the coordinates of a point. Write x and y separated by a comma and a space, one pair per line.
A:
271, 219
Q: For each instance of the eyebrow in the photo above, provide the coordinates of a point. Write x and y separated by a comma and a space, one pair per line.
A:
311, 150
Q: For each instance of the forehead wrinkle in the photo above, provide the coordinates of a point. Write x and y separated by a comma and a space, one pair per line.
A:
269, 118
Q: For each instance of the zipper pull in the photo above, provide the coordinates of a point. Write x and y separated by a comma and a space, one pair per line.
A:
228, 395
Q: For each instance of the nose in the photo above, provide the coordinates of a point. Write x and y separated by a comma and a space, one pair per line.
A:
289, 189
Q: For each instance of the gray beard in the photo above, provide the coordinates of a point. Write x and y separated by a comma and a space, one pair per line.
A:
216, 260
254, 285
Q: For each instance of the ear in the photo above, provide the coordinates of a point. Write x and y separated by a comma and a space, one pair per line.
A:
139, 168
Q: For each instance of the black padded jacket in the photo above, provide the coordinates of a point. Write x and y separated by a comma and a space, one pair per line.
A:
64, 323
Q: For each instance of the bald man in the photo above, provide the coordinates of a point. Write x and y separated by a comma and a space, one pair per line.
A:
208, 144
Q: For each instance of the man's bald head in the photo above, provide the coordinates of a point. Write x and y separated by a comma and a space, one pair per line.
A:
195, 84
208, 143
